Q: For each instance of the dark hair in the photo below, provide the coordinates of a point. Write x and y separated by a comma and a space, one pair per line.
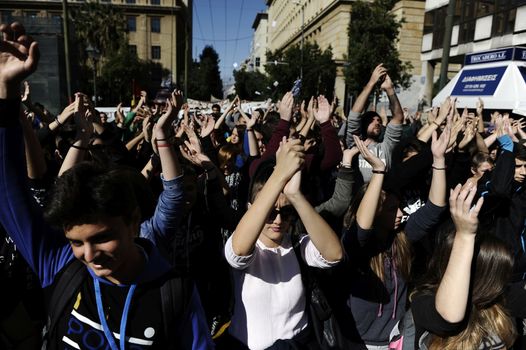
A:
519, 151
262, 174
480, 158
90, 192
491, 268
367, 118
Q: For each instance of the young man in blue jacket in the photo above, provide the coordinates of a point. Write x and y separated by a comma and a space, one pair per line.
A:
118, 304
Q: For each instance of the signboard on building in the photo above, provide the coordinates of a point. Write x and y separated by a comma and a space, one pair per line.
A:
489, 56
478, 82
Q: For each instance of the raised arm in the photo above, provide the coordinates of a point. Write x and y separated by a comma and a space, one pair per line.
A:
227, 111
394, 104
361, 100
163, 130
320, 233
453, 292
289, 159
369, 204
84, 127
35, 160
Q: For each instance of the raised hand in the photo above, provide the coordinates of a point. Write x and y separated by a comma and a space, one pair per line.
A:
207, 126
289, 158
324, 110
464, 215
378, 72
285, 106
387, 84
162, 128
191, 150
19, 55
439, 145
375, 162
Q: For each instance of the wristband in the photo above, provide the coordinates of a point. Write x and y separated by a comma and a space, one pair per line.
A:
438, 125
58, 122
345, 165
437, 168
379, 172
163, 145
80, 147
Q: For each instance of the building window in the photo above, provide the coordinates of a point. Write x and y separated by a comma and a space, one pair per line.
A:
155, 24
132, 23
156, 52
155, 2
130, 1
133, 49
258, 61
105, 0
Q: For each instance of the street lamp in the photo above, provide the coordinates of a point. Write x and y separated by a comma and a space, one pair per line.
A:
94, 54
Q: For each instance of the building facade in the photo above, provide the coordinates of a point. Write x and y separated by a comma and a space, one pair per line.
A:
327, 23
160, 30
478, 25
258, 52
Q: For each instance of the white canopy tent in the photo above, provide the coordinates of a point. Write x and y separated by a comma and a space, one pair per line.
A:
498, 77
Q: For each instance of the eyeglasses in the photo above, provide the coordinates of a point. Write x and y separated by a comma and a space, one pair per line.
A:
286, 213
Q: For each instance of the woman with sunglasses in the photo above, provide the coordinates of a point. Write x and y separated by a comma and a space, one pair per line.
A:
270, 308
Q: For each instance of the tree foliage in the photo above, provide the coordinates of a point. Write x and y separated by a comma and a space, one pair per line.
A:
319, 70
205, 76
103, 26
122, 71
251, 85
373, 35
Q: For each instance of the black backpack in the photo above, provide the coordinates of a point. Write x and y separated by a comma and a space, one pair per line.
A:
176, 293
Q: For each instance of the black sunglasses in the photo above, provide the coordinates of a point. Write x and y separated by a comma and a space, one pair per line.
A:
286, 212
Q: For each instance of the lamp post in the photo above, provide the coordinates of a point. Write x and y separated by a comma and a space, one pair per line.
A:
94, 54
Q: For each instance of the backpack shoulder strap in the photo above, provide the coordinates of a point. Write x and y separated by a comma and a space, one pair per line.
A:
176, 293
68, 282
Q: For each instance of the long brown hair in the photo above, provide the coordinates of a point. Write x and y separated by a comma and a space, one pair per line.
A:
491, 271
400, 251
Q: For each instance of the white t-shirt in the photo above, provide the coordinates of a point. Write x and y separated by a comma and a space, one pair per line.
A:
269, 293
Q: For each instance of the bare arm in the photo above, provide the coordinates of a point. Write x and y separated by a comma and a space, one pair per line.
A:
362, 98
288, 161
453, 292
35, 161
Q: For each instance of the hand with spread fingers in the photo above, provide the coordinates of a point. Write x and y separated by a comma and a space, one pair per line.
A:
19, 56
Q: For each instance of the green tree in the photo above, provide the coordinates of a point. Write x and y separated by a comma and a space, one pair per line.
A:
319, 70
373, 35
206, 77
119, 72
251, 85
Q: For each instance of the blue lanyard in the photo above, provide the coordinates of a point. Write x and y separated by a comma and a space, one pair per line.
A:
124, 318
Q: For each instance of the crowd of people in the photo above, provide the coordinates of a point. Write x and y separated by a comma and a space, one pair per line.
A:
289, 227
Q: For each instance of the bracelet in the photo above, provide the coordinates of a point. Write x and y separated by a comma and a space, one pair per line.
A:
163, 145
379, 172
249, 129
438, 125
161, 139
436, 168
345, 165
58, 122
80, 147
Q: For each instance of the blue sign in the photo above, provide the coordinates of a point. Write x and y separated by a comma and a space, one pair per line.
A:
489, 56
478, 82
523, 72
520, 54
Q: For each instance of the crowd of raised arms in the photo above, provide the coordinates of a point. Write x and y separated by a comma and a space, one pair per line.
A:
287, 228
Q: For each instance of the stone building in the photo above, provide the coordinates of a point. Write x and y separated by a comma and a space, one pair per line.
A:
327, 23
160, 30
478, 25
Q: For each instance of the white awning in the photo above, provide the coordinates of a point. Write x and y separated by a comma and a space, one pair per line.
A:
501, 85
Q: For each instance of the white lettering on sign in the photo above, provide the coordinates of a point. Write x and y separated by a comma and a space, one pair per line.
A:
499, 55
487, 77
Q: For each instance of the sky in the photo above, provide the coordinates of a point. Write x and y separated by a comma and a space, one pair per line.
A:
227, 26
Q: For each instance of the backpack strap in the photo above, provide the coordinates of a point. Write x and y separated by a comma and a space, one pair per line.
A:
67, 284
176, 293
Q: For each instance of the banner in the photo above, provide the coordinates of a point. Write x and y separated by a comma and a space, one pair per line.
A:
478, 82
